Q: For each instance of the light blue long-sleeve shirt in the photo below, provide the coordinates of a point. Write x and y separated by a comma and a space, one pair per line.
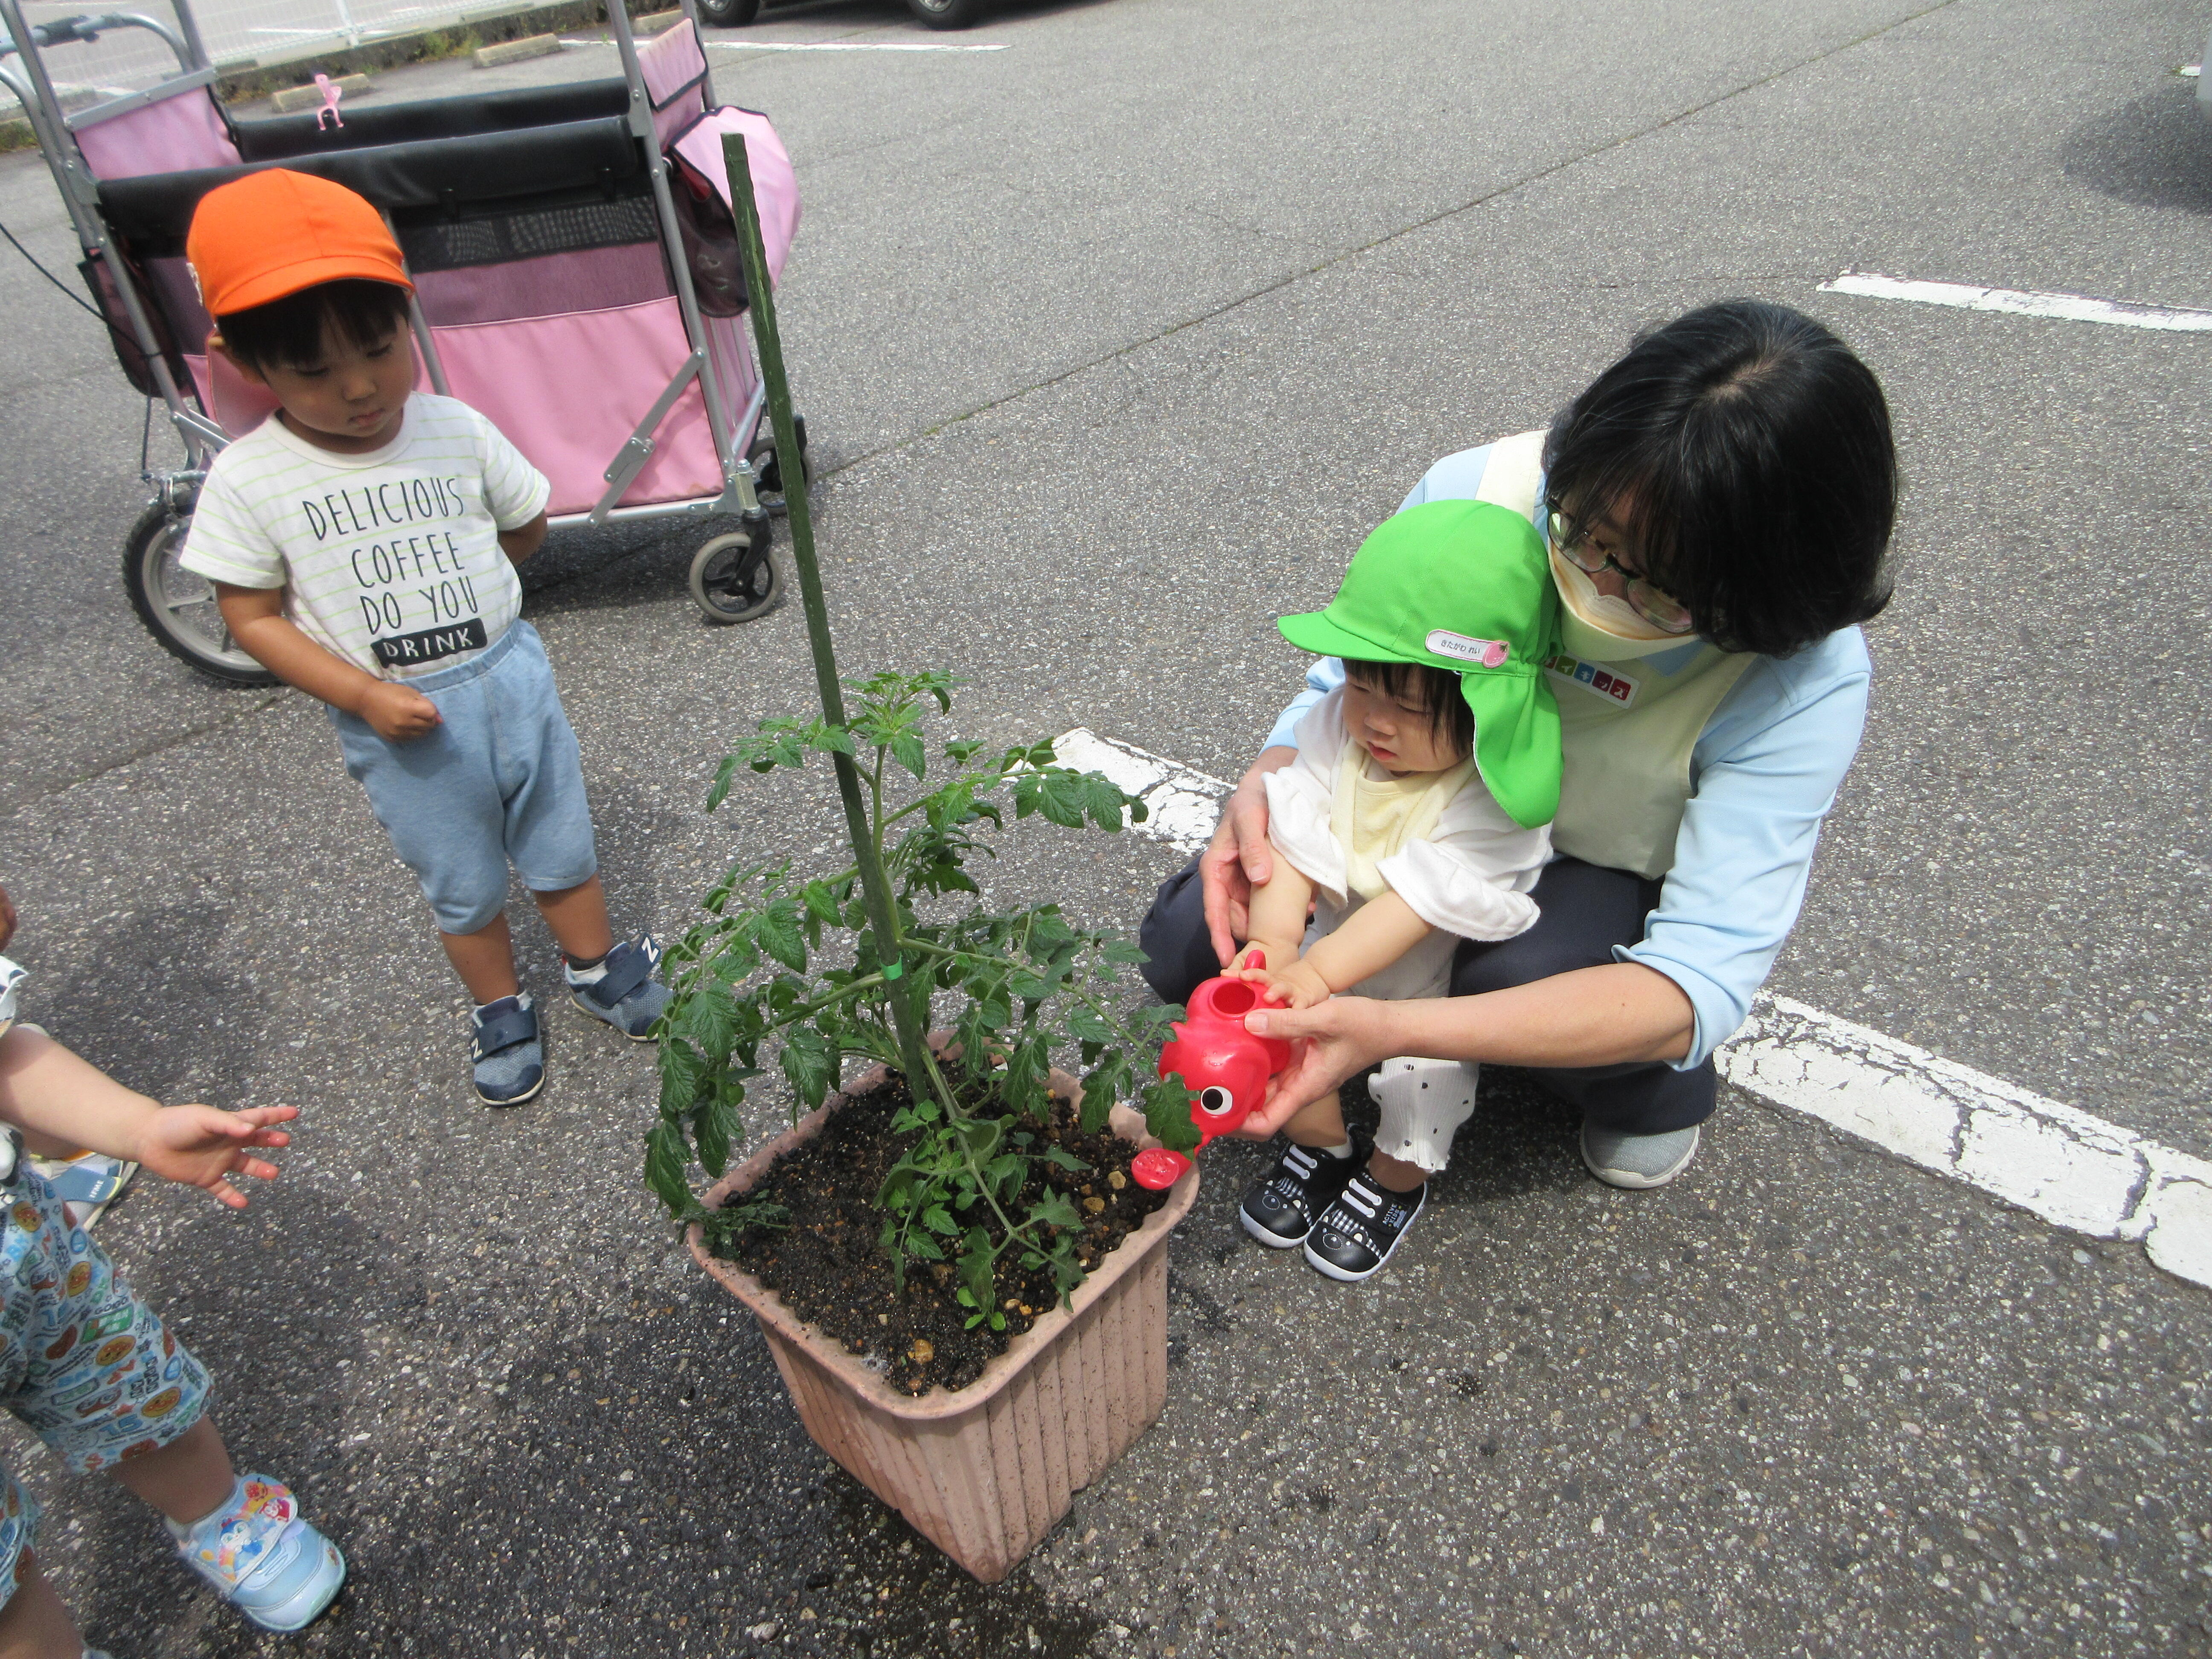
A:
1762, 776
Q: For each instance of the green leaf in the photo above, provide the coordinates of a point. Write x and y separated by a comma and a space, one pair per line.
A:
819, 901
809, 1063
939, 1220
1006, 1172
708, 1019
667, 1158
735, 962
1167, 1113
1086, 1023
715, 1125
1121, 951
1103, 801
960, 750
922, 1247
1065, 1159
724, 775
906, 749
1101, 1086
682, 1073
780, 934
1055, 1210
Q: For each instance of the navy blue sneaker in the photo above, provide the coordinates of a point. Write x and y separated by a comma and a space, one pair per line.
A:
509, 1058
621, 989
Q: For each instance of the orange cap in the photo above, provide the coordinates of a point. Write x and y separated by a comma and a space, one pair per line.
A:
271, 234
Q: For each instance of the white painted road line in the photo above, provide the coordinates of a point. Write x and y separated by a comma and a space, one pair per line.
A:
847, 46
2062, 308
1183, 803
2052, 1160
825, 45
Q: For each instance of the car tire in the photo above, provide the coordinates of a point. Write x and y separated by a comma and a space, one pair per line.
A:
946, 13
728, 14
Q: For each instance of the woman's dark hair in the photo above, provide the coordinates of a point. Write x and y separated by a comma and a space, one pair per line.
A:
288, 333
1435, 689
1747, 455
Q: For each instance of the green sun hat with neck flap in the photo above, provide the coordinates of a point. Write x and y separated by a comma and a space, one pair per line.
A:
1465, 587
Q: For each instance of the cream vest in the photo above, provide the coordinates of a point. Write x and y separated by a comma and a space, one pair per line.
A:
1374, 818
1626, 729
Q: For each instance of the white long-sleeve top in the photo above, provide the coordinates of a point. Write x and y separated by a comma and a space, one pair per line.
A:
1467, 872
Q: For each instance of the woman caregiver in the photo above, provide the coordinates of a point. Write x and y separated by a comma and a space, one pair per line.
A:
1718, 504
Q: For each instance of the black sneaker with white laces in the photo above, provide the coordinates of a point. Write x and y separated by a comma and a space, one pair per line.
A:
1279, 1211
1356, 1235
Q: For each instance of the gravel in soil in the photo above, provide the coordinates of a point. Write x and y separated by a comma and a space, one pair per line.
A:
828, 1269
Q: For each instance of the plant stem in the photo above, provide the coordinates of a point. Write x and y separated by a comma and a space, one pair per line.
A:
882, 913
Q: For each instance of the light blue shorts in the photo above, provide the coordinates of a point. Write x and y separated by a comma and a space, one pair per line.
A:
84, 1363
501, 781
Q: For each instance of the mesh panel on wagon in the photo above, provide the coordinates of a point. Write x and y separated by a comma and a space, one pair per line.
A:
438, 243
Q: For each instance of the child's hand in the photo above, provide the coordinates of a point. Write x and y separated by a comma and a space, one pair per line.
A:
395, 712
1294, 984
202, 1146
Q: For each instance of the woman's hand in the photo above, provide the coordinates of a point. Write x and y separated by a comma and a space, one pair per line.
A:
1238, 856
202, 1146
1333, 1042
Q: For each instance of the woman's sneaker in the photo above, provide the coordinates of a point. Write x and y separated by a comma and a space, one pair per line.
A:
263, 1558
620, 987
506, 1057
1356, 1235
1279, 1211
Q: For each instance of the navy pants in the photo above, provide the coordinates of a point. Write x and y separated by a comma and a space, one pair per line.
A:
1586, 911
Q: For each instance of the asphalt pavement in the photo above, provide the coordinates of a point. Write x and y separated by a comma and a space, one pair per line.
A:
1112, 344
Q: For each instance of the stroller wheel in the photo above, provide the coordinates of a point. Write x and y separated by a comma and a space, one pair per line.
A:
768, 468
177, 606
734, 579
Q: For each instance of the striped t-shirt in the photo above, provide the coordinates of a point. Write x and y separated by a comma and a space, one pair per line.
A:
389, 559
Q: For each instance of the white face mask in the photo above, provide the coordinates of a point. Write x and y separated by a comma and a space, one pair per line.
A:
1603, 626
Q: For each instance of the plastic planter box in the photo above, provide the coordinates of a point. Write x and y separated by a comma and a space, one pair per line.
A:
985, 1472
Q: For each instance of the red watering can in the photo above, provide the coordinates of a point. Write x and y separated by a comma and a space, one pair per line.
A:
1225, 1067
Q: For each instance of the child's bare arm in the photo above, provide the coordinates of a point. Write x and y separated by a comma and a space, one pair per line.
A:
1277, 914
62, 1102
1373, 937
255, 619
520, 543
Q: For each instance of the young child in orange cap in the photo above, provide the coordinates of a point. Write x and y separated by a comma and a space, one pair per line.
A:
362, 541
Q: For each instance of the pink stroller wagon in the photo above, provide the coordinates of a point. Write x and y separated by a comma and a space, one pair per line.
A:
576, 273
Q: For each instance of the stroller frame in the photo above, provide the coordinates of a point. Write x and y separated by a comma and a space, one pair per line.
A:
734, 431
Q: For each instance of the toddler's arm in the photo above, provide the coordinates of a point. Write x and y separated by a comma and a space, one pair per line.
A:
1369, 939
519, 543
62, 1102
1278, 915
255, 619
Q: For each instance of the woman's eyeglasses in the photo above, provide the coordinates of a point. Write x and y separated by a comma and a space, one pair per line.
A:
1656, 606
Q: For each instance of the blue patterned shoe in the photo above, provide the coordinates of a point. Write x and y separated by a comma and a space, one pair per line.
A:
262, 1558
620, 987
509, 1060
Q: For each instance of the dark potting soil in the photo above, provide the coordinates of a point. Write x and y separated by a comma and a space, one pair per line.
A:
830, 1271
